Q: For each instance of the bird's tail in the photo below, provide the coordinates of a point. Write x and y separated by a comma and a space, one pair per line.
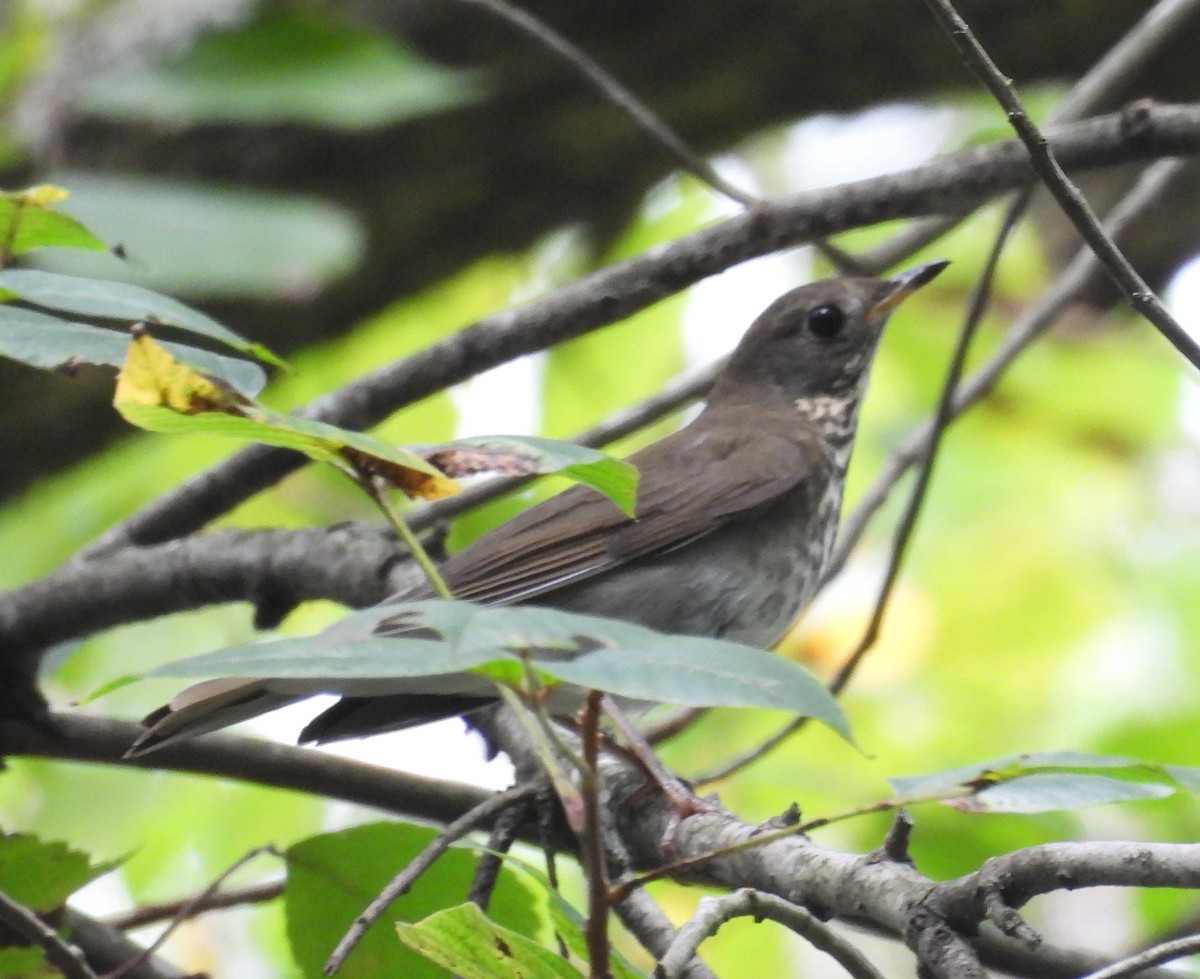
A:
205, 707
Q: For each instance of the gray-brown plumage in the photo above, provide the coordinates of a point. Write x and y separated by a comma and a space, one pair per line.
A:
736, 517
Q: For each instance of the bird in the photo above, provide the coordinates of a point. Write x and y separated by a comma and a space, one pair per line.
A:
735, 518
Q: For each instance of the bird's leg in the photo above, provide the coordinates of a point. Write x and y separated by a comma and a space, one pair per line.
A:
683, 801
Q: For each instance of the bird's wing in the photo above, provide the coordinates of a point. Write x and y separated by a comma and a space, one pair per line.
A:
690, 484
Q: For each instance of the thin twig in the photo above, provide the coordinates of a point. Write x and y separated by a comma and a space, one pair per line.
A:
1156, 955
1101, 84
749, 757
65, 957
504, 834
190, 908
616, 93
423, 861
1149, 189
1140, 296
941, 418
749, 903
1124, 60
591, 839
676, 722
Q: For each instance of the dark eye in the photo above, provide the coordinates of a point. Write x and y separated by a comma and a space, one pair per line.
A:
826, 321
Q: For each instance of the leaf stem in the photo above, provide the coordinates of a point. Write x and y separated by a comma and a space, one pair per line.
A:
379, 495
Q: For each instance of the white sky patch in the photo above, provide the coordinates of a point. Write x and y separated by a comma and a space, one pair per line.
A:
833, 149
445, 749
502, 401
1182, 296
719, 309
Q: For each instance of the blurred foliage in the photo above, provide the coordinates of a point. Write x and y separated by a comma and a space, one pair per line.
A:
289, 64
240, 243
332, 877
1048, 601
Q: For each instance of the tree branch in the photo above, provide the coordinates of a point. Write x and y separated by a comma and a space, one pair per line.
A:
1150, 189
945, 185
97, 740
1074, 205
355, 564
22, 921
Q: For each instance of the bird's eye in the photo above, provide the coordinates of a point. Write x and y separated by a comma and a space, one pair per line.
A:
826, 321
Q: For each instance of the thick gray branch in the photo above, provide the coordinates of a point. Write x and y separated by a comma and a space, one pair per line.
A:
97, 740
275, 569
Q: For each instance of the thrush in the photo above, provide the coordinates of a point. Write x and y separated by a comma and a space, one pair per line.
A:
735, 518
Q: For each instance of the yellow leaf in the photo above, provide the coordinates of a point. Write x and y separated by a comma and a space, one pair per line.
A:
43, 195
411, 482
151, 376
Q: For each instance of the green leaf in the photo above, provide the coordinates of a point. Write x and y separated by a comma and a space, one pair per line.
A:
108, 299
515, 455
287, 65
568, 924
1051, 791
51, 343
42, 875
440, 639
468, 943
332, 877
112, 686
1047, 781
26, 223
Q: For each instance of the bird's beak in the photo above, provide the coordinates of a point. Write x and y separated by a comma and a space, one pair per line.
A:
901, 286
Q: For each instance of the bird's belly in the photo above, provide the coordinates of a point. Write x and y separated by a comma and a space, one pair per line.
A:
745, 583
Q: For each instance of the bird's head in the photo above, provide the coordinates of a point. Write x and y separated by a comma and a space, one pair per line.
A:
818, 340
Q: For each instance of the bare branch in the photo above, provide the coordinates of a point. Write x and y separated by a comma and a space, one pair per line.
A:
63, 956
1152, 186
1136, 965
647, 922
92, 739
355, 564
616, 93
196, 905
1045, 163
748, 903
189, 910
399, 885
1127, 57
107, 948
